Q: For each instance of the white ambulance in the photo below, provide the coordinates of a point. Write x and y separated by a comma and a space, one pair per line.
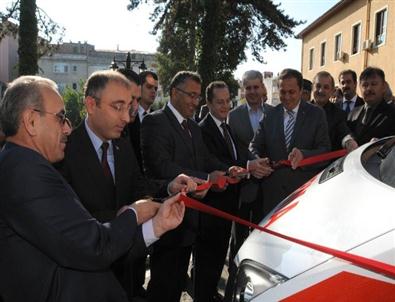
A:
349, 211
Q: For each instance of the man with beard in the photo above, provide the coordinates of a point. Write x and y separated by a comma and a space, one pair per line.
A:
348, 86
376, 118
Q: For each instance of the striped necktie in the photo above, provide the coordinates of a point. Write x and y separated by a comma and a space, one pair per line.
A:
289, 128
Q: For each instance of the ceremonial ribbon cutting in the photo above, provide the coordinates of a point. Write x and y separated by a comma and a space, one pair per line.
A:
370, 264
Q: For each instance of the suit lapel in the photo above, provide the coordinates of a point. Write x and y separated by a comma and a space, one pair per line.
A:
89, 158
245, 120
299, 124
211, 125
178, 129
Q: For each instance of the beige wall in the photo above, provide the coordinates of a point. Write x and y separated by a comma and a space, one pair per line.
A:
342, 22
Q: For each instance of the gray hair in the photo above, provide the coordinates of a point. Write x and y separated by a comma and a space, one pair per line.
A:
24, 92
252, 75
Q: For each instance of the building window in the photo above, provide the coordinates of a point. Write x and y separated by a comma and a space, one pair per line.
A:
75, 86
323, 53
60, 68
311, 58
356, 38
338, 46
74, 68
381, 25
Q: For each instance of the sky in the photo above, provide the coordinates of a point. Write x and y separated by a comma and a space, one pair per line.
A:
109, 25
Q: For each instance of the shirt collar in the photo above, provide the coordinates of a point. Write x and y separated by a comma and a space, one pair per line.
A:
96, 141
216, 121
260, 108
295, 110
141, 111
179, 117
353, 100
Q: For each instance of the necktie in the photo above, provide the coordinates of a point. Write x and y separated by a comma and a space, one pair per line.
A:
367, 116
348, 108
185, 127
228, 140
289, 128
104, 162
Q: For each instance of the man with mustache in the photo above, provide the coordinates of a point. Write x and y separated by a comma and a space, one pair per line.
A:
339, 133
51, 248
101, 166
348, 86
376, 119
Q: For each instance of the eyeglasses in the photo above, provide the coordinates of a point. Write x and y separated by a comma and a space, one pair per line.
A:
192, 95
118, 106
63, 120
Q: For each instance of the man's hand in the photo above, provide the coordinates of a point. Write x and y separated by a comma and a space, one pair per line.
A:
295, 157
351, 145
237, 172
202, 193
169, 216
260, 167
213, 177
145, 209
182, 183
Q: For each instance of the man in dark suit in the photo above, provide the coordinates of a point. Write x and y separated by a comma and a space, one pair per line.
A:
172, 143
51, 248
108, 96
214, 233
339, 133
293, 130
149, 87
348, 86
376, 119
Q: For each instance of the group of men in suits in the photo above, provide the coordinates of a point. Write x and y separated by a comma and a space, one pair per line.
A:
51, 247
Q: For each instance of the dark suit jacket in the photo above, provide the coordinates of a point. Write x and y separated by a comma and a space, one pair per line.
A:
82, 169
239, 122
134, 136
310, 135
51, 249
216, 144
337, 124
168, 151
358, 102
381, 124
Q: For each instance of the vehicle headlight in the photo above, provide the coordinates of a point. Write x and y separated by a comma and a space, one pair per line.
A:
252, 279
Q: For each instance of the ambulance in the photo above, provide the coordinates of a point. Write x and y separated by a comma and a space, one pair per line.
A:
333, 239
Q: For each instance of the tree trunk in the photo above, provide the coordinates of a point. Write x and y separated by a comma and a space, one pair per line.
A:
208, 59
27, 39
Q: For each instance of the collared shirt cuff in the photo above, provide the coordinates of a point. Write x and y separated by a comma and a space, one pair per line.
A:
148, 233
345, 139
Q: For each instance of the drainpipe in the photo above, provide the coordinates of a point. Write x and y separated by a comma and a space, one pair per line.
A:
367, 33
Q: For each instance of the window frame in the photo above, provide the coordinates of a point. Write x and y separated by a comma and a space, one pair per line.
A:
311, 58
359, 47
323, 57
384, 32
336, 51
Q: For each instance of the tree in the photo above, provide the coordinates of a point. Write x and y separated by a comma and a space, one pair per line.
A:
211, 36
33, 22
73, 99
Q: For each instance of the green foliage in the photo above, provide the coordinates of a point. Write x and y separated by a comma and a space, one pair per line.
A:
38, 33
75, 109
211, 36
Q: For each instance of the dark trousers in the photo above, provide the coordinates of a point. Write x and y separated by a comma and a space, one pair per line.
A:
138, 276
210, 254
169, 268
251, 212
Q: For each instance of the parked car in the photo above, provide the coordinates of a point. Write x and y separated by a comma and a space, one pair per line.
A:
349, 207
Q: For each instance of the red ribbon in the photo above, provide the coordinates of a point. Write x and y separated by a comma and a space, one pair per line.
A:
316, 159
370, 264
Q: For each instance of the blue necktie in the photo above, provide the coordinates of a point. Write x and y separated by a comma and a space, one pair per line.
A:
289, 128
